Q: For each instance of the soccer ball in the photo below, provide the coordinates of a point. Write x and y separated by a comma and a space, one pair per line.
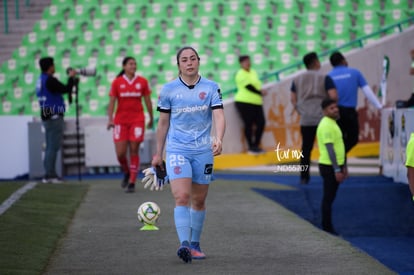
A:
149, 212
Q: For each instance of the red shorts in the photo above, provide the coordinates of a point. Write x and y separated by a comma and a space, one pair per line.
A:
129, 132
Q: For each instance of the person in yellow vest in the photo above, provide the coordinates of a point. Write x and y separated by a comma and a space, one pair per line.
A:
332, 159
409, 163
249, 104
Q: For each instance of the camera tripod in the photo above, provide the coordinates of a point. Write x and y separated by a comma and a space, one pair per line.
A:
75, 90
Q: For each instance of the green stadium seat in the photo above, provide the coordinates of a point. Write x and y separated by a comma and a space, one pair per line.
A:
106, 10
274, 33
42, 25
280, 32
23, 52
368, 5
282, 19
307, 32
209, 8
3, 79
279, 6
29, 79
33, 38
397, 4
310, 19
337, 31
311, 6
6, 88
391, 17
59, 12
94, 107
341, 5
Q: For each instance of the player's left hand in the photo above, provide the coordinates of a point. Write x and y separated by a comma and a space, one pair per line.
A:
217, 147
150, 123
155, 178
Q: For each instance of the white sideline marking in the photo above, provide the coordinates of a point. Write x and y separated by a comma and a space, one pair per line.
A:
16, 196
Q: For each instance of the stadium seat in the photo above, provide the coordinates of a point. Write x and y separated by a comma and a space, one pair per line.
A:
101, 33
342, 5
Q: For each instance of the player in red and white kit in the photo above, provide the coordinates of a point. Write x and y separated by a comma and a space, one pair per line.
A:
129, 122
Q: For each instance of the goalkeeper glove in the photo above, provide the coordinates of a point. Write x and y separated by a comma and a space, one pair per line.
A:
155, 178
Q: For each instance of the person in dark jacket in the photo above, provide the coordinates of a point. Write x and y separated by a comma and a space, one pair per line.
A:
49, 91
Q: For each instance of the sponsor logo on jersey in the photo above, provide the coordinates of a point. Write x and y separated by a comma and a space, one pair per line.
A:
341, 76
188, 109
130, 94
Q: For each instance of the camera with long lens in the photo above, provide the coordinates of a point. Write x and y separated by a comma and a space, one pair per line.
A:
91, 71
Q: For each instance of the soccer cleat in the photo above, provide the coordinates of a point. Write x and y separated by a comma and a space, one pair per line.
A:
184, 252
130, 188
55, 180
196, 251
125, 182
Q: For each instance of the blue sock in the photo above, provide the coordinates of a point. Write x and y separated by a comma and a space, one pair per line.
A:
182, 222
197, 221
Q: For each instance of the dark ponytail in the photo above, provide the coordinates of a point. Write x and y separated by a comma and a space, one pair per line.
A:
186, 48
124, 61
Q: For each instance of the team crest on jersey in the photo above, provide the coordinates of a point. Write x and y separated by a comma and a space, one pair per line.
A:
177, 170
138, 86
202, 95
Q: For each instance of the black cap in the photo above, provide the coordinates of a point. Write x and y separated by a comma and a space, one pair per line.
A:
45, 63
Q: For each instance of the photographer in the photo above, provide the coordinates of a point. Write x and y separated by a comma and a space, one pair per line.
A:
49, 91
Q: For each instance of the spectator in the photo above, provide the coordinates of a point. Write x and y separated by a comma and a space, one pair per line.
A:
49, 91
409, 163
307, 92
347, 81
249, 101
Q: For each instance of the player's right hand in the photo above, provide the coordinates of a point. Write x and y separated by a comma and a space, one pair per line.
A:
156, 161
110, 125
72, 73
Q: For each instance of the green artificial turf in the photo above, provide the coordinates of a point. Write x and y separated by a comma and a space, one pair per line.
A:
7, 188
31, 228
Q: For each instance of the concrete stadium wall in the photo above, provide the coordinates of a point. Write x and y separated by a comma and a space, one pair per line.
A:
282, 125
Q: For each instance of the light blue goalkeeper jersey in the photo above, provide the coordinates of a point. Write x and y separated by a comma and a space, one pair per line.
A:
190, 108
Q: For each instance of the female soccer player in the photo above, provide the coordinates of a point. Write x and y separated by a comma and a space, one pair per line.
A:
187, 105
129, 122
